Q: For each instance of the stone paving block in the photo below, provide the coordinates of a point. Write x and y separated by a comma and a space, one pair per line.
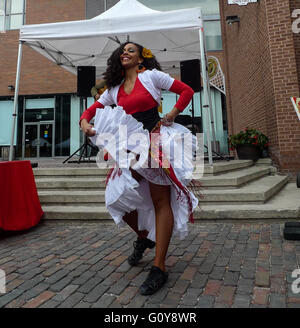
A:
158, 297
248, 272
80, 271
173, 277
124, 267
34, 291
226, 295
104, 301
245, 286
189, 273
277, 301
206, 267
127, 295
72, 300
57, 276
81, 279
133, 272
28, 284
180, 266
65, 293
138, 301
172, 300
277, 285
119, 286
189, 299
276, 260
59, 285
196, 261
217, 273
205, 301
99, 265
262, 278
139, 279
8, 297
241, 301
212, 287
261, 296
180, 286
95, 293
222, 261
199, 281
39, 300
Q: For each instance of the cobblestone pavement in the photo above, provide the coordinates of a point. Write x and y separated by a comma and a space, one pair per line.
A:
82, 265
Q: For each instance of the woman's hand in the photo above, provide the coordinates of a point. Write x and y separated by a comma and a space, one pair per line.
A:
87, 128
169, 118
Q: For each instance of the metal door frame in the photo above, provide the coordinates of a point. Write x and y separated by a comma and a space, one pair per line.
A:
38, 136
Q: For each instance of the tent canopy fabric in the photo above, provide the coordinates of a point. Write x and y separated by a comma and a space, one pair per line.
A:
173, 36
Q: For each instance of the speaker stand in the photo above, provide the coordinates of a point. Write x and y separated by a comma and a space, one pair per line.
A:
85, 151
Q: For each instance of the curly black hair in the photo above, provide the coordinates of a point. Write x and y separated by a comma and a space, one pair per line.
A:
114, 71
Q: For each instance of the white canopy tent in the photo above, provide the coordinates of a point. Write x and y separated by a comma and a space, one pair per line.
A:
172, 36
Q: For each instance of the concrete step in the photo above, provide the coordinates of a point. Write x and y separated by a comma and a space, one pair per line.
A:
69, 172
283, 206
258, 191
234, 179
75, 212
75, 183
219, 167
77, 197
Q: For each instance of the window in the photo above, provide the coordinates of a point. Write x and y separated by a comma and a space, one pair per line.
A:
210, 10
209, 7
12, 14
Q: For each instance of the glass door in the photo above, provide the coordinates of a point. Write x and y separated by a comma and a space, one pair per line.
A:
38, 140
46, 140
30, 140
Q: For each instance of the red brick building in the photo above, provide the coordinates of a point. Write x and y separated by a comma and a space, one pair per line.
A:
262, 55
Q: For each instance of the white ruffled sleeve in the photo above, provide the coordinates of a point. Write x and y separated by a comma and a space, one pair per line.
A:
161, 80
106, 98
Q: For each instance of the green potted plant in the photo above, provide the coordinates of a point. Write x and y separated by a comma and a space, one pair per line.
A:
249, 144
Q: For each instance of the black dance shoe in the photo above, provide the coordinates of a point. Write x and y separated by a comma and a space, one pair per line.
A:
140, 246
155, 280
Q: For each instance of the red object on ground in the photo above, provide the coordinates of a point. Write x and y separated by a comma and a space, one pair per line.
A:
20, 207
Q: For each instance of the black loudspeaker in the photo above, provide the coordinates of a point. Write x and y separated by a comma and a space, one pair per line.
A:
86, 79
190, 73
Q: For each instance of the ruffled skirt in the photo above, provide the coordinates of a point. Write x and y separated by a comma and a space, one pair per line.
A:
125, 194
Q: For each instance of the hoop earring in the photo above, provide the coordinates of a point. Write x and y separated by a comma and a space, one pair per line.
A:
141, 69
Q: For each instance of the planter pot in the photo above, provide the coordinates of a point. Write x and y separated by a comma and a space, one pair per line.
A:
248, 151
264, 153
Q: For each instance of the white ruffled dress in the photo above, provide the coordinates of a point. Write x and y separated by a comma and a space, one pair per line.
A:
123, 193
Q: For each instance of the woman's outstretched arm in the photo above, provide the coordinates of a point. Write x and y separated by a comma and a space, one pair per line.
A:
85, 118
186, 93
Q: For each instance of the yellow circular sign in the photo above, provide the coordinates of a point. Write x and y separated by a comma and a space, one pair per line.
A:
213, 67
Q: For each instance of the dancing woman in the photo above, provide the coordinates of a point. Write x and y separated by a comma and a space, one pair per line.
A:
134, 81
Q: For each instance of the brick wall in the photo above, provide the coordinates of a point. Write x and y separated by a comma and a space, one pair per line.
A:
261, 73
38, 74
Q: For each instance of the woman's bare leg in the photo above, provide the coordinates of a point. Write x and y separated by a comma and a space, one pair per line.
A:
132, 220
164, 222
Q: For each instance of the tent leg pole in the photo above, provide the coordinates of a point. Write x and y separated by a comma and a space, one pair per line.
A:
15, 101
212, 116
205, 89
